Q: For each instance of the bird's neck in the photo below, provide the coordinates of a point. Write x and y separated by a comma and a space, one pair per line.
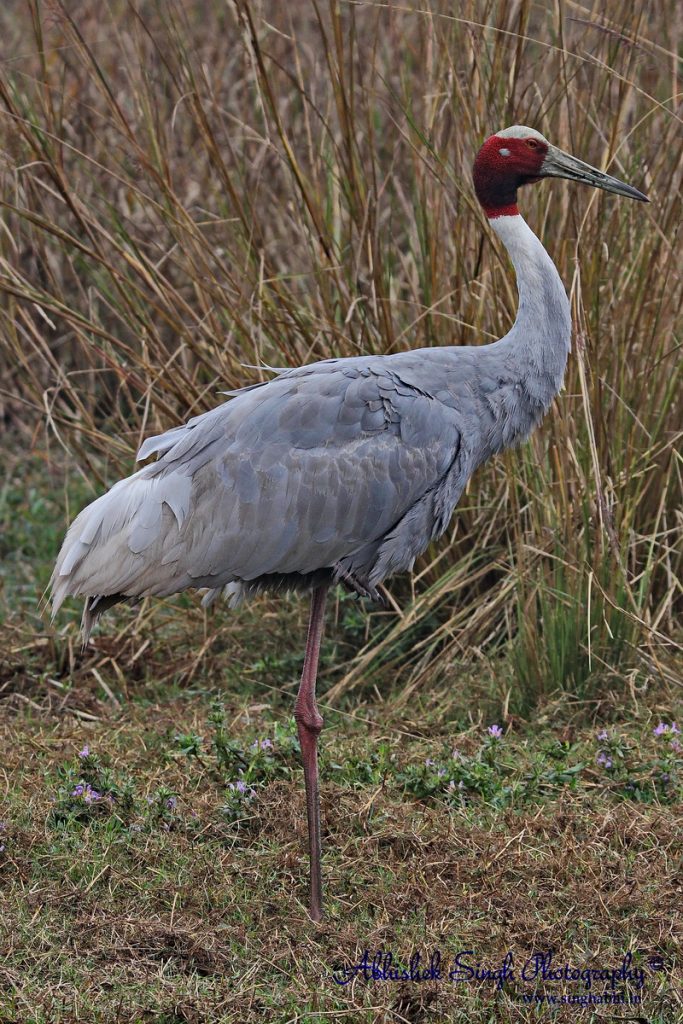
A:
539, 341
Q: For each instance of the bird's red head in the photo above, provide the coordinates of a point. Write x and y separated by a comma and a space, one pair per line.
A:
507, 160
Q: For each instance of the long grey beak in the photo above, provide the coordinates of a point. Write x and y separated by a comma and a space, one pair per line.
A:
561, 165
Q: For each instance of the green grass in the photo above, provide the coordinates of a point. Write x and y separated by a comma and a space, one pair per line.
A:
172, 894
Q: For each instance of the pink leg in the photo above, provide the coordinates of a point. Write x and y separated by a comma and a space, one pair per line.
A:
309, 723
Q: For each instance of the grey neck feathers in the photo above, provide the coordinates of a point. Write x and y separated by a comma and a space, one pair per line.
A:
537, 346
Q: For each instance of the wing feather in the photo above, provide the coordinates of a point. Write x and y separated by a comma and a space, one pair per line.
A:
291, 476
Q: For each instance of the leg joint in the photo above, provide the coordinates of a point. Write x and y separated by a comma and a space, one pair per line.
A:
308, 717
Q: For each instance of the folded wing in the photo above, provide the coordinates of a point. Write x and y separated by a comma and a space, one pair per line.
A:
286, 478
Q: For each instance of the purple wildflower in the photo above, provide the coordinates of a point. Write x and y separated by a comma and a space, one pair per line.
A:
674, 728
495, 731
2, 847
675, 746
262, 744
238, 787
456, 755
429, 763
604, 760
603, 735
665, 777
85, 752
662, 728
171, 803
89, 794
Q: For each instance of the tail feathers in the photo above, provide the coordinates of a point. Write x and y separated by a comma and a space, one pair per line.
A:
92, 609
114, 546
127, 544
234, 593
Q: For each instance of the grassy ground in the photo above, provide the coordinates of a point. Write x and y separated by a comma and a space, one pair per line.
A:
175, 898
140, 884
190, 190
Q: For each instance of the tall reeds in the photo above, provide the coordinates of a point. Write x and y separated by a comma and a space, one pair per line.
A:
192, 191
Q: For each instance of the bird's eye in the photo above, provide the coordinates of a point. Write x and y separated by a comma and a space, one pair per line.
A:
532, 144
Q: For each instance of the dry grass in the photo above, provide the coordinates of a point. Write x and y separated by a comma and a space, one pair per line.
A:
188, 190
193, 190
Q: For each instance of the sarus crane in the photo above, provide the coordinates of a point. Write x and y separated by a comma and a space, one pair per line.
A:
341, 471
